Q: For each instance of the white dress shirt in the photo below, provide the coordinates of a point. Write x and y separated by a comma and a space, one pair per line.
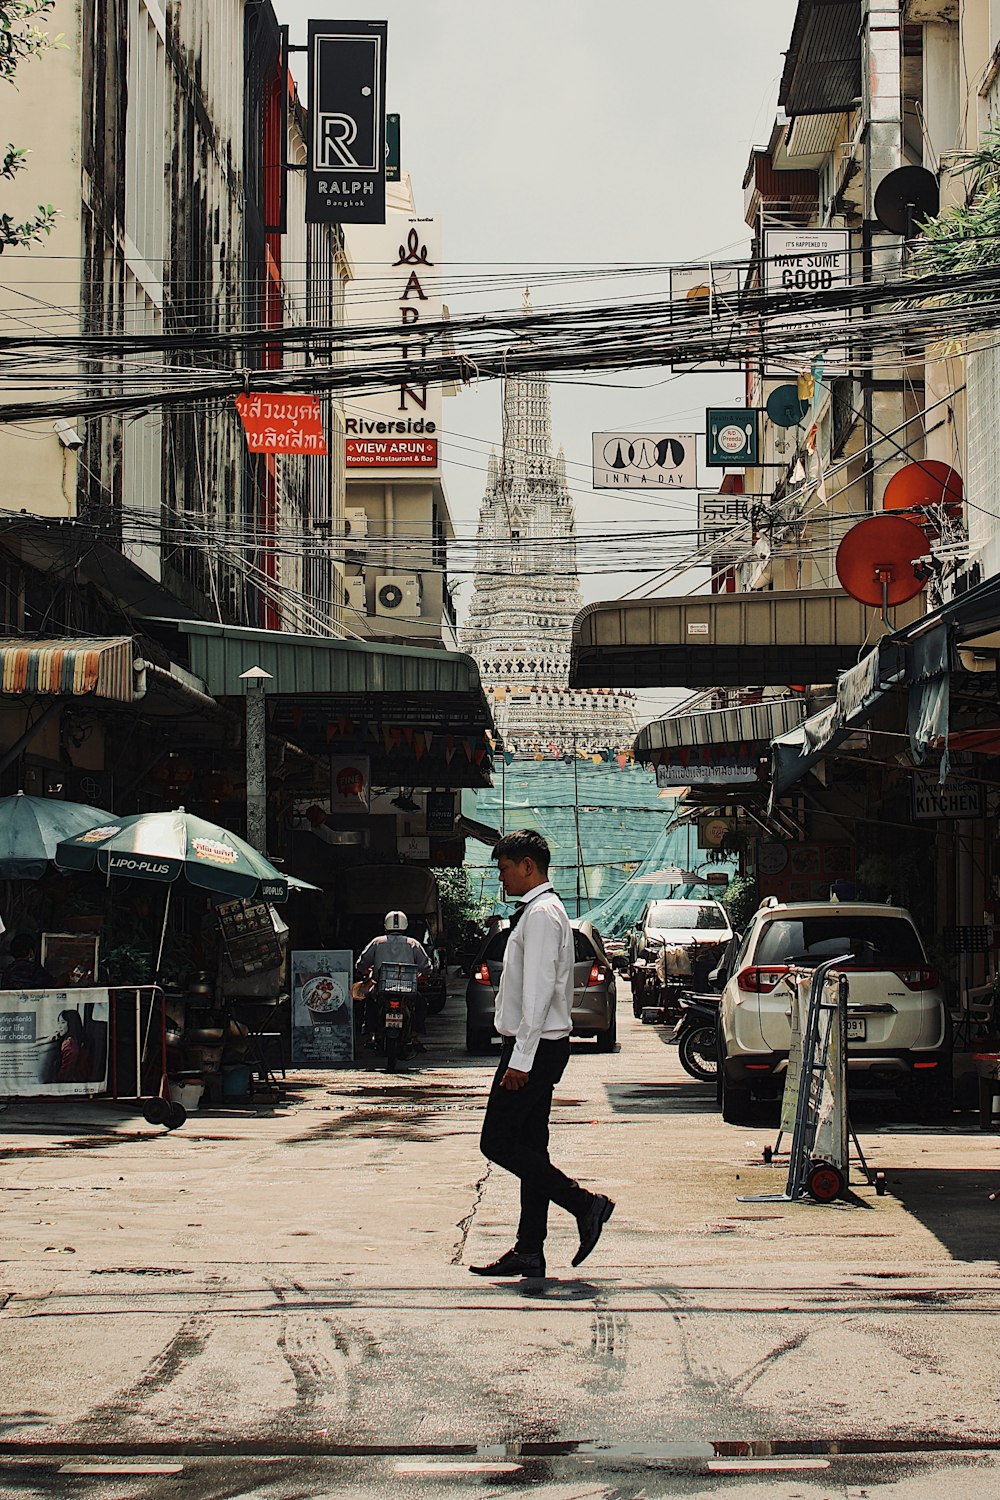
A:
535, 998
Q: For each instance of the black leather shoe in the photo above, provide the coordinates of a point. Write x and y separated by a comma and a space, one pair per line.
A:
590, 1225
513, 1264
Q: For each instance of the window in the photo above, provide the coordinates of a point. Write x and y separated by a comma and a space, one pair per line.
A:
876, 942
687, 915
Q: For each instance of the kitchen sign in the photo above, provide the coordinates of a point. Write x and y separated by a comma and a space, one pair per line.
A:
733, 437
395, 432
645, 461
345, 172
931, 801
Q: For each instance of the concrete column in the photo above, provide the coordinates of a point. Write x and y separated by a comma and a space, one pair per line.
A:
256, 757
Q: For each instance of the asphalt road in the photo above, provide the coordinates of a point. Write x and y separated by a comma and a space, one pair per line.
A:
279, 1305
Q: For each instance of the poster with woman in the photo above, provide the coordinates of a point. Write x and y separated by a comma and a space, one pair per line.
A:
322, 1012
53, 1042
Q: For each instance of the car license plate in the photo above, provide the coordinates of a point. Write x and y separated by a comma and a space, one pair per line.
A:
394, 1018
857, 1028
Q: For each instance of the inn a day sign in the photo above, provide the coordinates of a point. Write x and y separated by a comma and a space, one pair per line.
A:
396, 433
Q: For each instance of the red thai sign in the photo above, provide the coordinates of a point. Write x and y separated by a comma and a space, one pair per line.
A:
282, 424
412, 453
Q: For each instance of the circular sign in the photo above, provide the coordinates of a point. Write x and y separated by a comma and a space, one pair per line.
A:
733, 439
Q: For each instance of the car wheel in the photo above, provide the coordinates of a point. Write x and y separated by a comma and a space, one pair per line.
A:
736, 1101
606, 1040
477, 1041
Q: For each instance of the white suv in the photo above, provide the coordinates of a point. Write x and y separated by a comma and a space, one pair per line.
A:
898, 1028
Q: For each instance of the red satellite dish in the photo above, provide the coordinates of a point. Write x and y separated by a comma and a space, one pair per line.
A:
875, 560
929, 482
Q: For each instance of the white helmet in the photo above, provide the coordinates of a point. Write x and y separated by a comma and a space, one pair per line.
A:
396, 921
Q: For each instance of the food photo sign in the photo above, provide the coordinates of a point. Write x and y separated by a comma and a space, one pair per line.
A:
322, 1009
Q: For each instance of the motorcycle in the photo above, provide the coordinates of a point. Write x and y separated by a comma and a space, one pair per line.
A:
696, 1035
390, 1006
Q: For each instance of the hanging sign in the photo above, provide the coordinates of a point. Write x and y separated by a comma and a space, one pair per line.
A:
709, 292
350, 783
395, 431
440, 812
702, 773
345, 173
806, 263
733, 437
931, 800
645, 461
282, 424
392, 156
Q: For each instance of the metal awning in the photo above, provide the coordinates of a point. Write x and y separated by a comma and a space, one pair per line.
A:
471, 828
822, 73
420, 715
69, 668
751, 723
726, 640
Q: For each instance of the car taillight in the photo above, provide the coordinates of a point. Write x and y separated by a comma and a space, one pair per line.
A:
925, 978
760, 981
597, 975
482, 974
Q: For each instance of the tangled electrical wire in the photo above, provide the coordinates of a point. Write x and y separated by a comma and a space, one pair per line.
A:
89, 375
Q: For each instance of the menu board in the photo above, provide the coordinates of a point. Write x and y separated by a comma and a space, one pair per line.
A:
248, 933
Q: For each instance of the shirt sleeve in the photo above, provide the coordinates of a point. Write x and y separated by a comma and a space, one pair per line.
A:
367, 958
420, 958
541, 939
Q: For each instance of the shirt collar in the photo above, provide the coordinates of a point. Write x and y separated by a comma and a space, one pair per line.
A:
539, 890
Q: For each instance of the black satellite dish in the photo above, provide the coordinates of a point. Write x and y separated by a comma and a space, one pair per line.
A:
905, 197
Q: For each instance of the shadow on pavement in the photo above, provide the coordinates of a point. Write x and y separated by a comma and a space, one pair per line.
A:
954, 1205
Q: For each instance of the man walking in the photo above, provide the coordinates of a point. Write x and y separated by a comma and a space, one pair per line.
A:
534, 1008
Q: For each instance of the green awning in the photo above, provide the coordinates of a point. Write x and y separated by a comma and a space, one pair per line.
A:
307, 664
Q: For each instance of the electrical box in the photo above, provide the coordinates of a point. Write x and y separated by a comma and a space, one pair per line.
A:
354, 594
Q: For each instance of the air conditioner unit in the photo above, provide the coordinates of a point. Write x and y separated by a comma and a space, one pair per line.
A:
355, 523
354, 594
398, 594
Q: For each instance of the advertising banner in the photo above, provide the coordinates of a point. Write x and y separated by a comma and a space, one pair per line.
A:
393, 159
645, 461
322, 1009
350, 783
53, 1042
282, 424
396, 431
345, 173
805, 263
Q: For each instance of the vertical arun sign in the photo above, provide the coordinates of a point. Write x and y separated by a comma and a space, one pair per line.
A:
345, 175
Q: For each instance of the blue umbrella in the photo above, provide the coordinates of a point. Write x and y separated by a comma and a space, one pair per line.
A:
31, 827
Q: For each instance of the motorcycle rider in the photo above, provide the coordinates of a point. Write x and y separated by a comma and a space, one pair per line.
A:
393, 946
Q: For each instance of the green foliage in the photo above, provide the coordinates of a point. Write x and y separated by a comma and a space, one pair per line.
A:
459, 905
966, 236
741, 901
21, 39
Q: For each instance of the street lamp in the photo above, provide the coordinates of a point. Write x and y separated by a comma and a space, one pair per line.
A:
256, 750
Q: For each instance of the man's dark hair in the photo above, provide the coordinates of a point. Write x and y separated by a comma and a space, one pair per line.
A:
22, 946
524, 843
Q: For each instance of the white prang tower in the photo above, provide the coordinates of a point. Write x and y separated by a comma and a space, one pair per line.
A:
527, 592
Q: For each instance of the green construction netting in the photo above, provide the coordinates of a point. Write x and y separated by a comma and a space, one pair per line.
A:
609, 829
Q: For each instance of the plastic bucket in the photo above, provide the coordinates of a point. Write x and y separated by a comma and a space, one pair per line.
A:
187, 1093
236, 1081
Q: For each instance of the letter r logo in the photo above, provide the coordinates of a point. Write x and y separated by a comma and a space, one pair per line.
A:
335, 134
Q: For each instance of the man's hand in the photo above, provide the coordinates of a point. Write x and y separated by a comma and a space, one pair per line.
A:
513, 1080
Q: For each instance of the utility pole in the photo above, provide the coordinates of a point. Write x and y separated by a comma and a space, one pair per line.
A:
256, 755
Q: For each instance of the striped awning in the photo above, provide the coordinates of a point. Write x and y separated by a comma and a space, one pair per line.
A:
69, 668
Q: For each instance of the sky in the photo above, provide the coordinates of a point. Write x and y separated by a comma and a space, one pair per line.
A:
552, 135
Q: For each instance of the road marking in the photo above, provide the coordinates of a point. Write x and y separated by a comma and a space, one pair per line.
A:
748, 1465
457, 1468
122, 1469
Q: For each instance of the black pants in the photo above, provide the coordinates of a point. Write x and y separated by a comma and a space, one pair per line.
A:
516, 1137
